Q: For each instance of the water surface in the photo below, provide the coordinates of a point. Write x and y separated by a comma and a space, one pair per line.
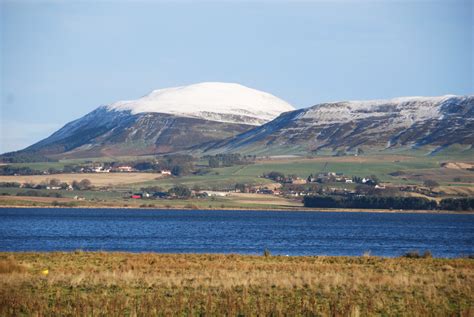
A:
245, 232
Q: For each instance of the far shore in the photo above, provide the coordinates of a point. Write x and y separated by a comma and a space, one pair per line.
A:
300, 209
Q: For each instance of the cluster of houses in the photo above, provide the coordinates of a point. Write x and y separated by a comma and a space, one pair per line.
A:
327, 177
330, 177
63, 186
206, 194
102, 169
333, 177
294, 181
417, 189
116, 169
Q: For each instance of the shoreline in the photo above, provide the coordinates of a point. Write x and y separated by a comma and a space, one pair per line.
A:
296, 209
226, 255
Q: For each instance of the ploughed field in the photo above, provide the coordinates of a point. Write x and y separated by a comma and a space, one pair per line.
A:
146, 284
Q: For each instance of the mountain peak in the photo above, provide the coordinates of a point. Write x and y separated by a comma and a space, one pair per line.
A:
215, 101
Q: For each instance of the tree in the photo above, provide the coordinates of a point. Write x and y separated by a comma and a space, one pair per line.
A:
178, 164
84, 184
240, 187
177, 170
276, 176
370, 202
213, 162
375, 180
54, 182
357, 179
64, 185
180, 191
151, 189
430, 184
457, 204
146, 166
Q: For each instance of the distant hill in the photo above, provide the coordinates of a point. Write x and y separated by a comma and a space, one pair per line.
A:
225, 118
164, 121
362, 125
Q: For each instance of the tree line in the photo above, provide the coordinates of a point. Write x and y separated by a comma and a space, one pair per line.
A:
393, 202
24, 157
226, 160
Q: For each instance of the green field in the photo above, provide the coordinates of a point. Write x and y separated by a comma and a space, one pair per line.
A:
217, 178
415, 167
252, 173
304, 168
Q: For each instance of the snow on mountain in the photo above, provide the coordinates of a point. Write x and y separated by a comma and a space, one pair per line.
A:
224, 117
407, 109
214, 101
372, 124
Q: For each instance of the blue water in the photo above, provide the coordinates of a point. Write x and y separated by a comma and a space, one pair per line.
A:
245, 232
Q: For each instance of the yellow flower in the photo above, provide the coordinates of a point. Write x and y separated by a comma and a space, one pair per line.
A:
45, 272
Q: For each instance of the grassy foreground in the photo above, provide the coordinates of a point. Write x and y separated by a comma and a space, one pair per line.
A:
89, 283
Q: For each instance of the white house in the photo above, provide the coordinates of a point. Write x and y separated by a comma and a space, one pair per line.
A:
125, 168
165, 172
216, 193
101, 169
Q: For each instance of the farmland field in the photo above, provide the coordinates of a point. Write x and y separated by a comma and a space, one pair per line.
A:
97, 179
453, 176
8, 197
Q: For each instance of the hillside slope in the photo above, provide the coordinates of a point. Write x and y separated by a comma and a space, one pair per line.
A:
164, 121
377, 124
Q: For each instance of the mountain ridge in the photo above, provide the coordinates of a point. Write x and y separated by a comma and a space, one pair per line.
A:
405, 121
128, 128
164, 121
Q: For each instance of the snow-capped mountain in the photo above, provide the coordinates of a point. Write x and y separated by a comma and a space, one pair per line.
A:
166, 120
221, 117
372, 124
214, 101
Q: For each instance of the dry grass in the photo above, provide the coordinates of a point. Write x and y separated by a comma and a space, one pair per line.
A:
259, 199
440, 174
9, 265
466, 191
47, 200
458, 165
83, 283
97, 179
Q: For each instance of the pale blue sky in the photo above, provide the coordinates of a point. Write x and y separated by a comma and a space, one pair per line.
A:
62, 59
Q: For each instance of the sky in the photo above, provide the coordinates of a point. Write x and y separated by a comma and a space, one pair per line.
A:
61, 59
